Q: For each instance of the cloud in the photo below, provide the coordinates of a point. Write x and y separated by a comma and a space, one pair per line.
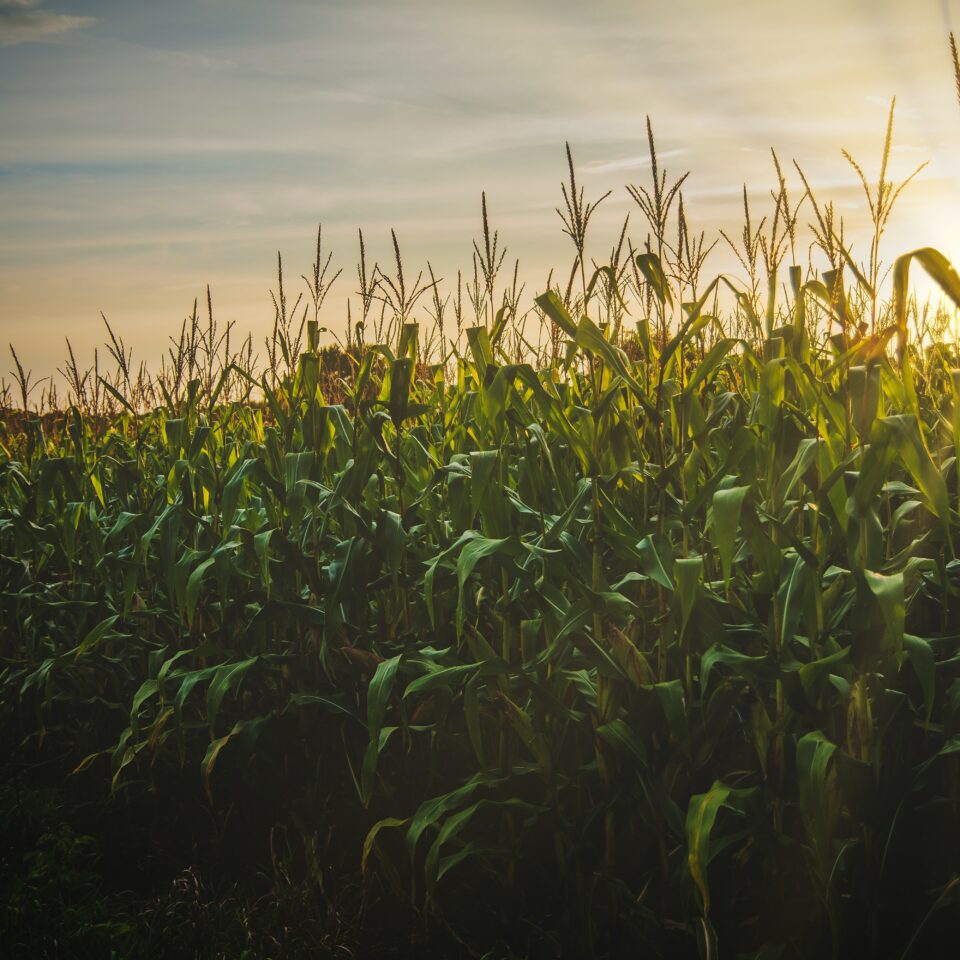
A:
629, 163
22, 22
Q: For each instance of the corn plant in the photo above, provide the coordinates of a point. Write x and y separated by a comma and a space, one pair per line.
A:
645, 639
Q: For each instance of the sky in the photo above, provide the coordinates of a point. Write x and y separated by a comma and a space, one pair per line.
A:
149, 149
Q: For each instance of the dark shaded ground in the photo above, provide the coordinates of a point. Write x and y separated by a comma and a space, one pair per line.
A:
82, 879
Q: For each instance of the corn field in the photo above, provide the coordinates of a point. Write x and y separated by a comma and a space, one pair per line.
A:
626, 626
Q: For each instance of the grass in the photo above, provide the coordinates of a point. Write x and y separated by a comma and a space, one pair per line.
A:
627, 624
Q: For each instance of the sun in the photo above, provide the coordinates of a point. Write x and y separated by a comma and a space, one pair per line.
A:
931, 218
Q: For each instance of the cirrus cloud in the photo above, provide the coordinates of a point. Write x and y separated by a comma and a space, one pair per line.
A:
21, 21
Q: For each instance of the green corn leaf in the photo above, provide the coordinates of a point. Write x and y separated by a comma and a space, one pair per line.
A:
226, 679
920, 654
701, 817
525, 729
803, 460
727, 507
400, 383
261, 546
791, 593
371, 759
591, 339
369, 842
687, 571
716, 355
940, 270
146, 690
430, 812
453, 826
670, 695
479, 342
245, 732
687, 329
331, 705
889, 593
652, 270
117, 395
190, 680
619, 735
193, 586
102, 631
753, 669
445, 676
500, 323
819, 793
409, 338
652, 565
631, 660
472, 553
378, 694
903, 433
553, 307
471, 713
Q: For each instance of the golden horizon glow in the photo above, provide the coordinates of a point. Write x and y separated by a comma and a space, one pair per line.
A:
148, 151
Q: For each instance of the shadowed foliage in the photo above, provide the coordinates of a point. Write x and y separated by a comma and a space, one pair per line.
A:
640, 634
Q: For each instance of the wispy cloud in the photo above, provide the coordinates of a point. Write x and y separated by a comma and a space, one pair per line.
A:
176, 144
21, 21
629, 163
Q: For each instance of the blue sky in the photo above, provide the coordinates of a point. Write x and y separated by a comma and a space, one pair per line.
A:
151, 148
